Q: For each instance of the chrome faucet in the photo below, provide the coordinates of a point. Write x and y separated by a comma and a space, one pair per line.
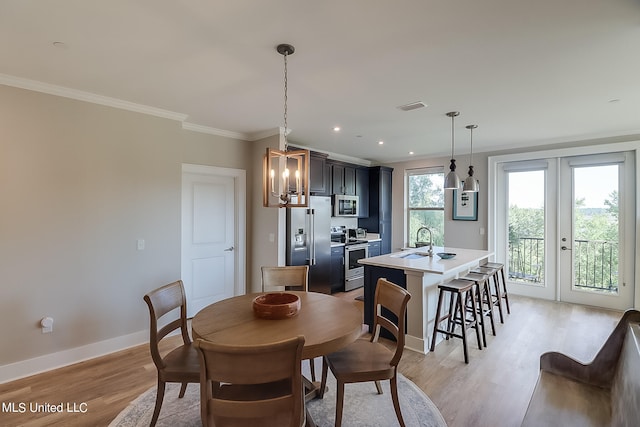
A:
430, 251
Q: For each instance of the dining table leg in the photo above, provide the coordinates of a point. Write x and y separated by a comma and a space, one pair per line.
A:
312, 389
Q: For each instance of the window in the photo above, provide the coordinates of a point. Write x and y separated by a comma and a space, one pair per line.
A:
425, 203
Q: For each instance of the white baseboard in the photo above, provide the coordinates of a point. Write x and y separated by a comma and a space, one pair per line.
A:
25, 368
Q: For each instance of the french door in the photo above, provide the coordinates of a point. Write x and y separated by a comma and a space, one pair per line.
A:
566, 230
595, 235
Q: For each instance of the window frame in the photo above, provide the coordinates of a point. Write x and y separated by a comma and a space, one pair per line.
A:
421, 171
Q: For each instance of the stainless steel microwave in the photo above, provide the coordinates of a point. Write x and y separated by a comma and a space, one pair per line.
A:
346, 205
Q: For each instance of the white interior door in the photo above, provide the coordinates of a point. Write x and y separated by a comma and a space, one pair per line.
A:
209, 231
596, 247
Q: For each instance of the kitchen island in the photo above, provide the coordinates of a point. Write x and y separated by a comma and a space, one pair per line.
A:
420, 275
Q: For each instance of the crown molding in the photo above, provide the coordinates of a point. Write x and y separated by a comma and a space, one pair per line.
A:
93, 98
214, 131
256, 136
336, 156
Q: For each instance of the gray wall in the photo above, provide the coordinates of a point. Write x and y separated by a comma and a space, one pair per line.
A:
79, 184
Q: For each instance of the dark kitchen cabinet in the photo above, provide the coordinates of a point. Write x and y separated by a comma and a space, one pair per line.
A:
371, 276
362, 191
375, 248
337, 269
379, 219
317, 174
343, 179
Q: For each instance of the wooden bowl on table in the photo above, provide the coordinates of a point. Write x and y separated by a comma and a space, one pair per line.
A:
276, 305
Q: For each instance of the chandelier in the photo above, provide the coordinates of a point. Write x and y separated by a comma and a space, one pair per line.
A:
285, 182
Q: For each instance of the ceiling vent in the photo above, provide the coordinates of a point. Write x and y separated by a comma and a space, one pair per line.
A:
412, 106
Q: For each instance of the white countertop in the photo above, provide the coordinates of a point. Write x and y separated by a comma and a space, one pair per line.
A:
426, 264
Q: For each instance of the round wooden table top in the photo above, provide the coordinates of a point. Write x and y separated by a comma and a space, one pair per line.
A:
327, 323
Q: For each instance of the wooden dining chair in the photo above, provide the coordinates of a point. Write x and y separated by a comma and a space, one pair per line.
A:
180, 365
288, 278
369, 360
247, 386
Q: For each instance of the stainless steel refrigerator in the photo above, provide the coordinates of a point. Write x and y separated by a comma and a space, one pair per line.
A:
309, 241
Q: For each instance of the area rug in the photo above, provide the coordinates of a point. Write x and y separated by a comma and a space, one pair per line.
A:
363, 407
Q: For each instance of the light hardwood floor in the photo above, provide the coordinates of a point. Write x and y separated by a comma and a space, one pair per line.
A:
492, 390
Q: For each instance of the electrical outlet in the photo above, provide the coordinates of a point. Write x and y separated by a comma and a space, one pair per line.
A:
140, 244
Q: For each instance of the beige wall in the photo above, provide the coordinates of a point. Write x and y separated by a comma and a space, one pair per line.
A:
79, 184
265, 221
465, 234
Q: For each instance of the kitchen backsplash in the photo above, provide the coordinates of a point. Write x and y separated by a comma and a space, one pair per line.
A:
347, 222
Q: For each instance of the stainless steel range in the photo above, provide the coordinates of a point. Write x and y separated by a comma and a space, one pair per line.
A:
353, 271
354, 249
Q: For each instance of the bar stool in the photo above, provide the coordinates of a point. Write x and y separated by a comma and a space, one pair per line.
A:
500, 268
497, 297
457, 290
485, 301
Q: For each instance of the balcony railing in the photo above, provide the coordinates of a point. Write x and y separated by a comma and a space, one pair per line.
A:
595, 262
526, 259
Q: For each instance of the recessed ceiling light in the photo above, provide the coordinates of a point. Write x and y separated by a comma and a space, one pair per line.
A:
412, 106
411, 153
380, 142
336, 129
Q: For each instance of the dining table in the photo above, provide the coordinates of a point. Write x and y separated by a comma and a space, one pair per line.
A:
326, 322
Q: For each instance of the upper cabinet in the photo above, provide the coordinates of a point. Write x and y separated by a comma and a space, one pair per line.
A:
362, 191
318, 174
351, 180
343, 179
319, 180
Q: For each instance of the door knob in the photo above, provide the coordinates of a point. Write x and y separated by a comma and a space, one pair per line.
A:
564, 248
229, 249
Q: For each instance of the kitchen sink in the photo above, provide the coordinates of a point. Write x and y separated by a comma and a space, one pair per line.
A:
413, 255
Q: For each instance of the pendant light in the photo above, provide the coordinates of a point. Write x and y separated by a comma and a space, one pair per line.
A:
279, 183
452, 181
471, 184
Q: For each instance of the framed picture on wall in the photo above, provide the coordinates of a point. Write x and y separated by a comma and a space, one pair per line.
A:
465, 206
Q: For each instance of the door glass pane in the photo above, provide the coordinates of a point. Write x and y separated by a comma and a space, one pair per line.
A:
595, 228
526, 226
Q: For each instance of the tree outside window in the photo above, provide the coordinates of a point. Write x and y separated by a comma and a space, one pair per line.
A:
425, 195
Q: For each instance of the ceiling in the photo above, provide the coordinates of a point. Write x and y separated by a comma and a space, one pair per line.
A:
526, 72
